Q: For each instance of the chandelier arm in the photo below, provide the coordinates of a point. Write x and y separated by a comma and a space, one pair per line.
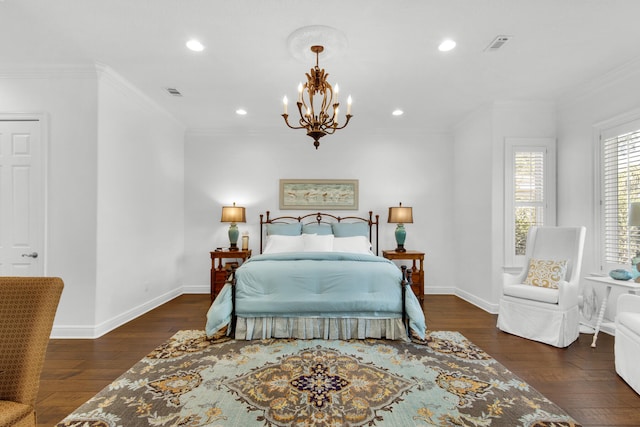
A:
308, 107
304, 122
286, 120
327, 94
335, 112
348, 116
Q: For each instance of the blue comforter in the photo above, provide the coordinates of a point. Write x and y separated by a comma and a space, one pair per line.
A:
316, 284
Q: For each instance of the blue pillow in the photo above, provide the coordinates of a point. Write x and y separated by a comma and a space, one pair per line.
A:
350, 229
293, 229
319, 229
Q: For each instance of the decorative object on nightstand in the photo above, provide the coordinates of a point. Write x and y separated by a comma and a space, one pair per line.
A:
634, 221
620, 274
220, 272
245, 241
400, 215
233, 214
417, 272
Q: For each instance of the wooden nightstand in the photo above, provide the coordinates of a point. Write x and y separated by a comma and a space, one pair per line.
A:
220, 273
417, 274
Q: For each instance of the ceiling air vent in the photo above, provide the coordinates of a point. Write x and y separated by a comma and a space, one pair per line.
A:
173, 91
497, 43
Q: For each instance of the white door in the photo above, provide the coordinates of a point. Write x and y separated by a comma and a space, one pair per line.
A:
21, 198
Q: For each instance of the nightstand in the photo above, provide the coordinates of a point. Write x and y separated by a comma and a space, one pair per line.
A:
417, 273
220, 273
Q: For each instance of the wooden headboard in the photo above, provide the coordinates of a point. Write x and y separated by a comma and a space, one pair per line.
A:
321, 218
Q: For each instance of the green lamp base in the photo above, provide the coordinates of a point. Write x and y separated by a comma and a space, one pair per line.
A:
401, 235
233, 237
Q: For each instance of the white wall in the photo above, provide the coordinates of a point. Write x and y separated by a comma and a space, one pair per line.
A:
140, 204
68, 98
479, 191
512, 119
394, 166
472, 215
579, 112
115, 203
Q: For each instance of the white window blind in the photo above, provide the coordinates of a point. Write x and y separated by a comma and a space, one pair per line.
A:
529, 202
529, 192
620, 159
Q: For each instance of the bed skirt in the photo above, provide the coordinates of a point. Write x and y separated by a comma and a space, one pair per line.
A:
253, 328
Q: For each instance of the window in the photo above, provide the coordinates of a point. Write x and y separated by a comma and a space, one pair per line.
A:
529, 192
620, 186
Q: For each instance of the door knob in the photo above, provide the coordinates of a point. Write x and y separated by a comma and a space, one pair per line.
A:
31, 255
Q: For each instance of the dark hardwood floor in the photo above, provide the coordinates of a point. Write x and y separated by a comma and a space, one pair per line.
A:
580, 379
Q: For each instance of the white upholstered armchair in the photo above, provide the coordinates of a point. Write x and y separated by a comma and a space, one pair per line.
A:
627, 340
541, 302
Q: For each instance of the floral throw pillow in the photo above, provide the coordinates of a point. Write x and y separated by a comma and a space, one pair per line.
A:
546, 273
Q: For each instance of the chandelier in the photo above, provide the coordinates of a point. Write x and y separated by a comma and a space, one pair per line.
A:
317, 104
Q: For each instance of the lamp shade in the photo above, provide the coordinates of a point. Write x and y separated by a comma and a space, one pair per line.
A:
233, 214
400, 215
634, 214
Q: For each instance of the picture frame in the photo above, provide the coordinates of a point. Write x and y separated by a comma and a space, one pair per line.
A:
311, 194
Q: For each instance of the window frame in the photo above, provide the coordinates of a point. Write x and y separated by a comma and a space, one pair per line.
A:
618, 126
513, 145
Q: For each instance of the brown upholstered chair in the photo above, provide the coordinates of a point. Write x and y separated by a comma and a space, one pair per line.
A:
27, 308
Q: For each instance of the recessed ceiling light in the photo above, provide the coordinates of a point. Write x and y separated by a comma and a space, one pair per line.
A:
446, 45
195, 45
241, 112
397, 112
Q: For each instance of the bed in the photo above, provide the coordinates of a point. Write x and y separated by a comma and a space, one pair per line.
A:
317, 276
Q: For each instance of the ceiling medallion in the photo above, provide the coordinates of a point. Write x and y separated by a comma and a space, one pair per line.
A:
317, 104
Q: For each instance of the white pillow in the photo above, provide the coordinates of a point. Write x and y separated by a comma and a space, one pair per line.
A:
354, 244
277, 243
318, 243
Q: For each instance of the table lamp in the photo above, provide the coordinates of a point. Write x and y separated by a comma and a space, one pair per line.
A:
233, 214
400, 215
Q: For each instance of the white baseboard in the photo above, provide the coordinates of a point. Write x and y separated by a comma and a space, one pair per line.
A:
439, 290
478, 302
96, 331
73, 332
472, 299
196, 289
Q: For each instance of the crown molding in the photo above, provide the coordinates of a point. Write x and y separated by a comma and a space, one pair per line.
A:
235, 130
272, 132
577, 94
108, 75
97, 71
48, 71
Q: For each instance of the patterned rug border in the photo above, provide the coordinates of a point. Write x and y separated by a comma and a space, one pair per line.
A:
445, 380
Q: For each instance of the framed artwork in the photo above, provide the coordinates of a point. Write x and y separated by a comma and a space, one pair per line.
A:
319, 194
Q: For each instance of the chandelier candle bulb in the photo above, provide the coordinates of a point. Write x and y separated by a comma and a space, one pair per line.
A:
285, 102
349, 105
300, 92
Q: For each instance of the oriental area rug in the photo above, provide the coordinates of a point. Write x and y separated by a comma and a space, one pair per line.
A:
444, 381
